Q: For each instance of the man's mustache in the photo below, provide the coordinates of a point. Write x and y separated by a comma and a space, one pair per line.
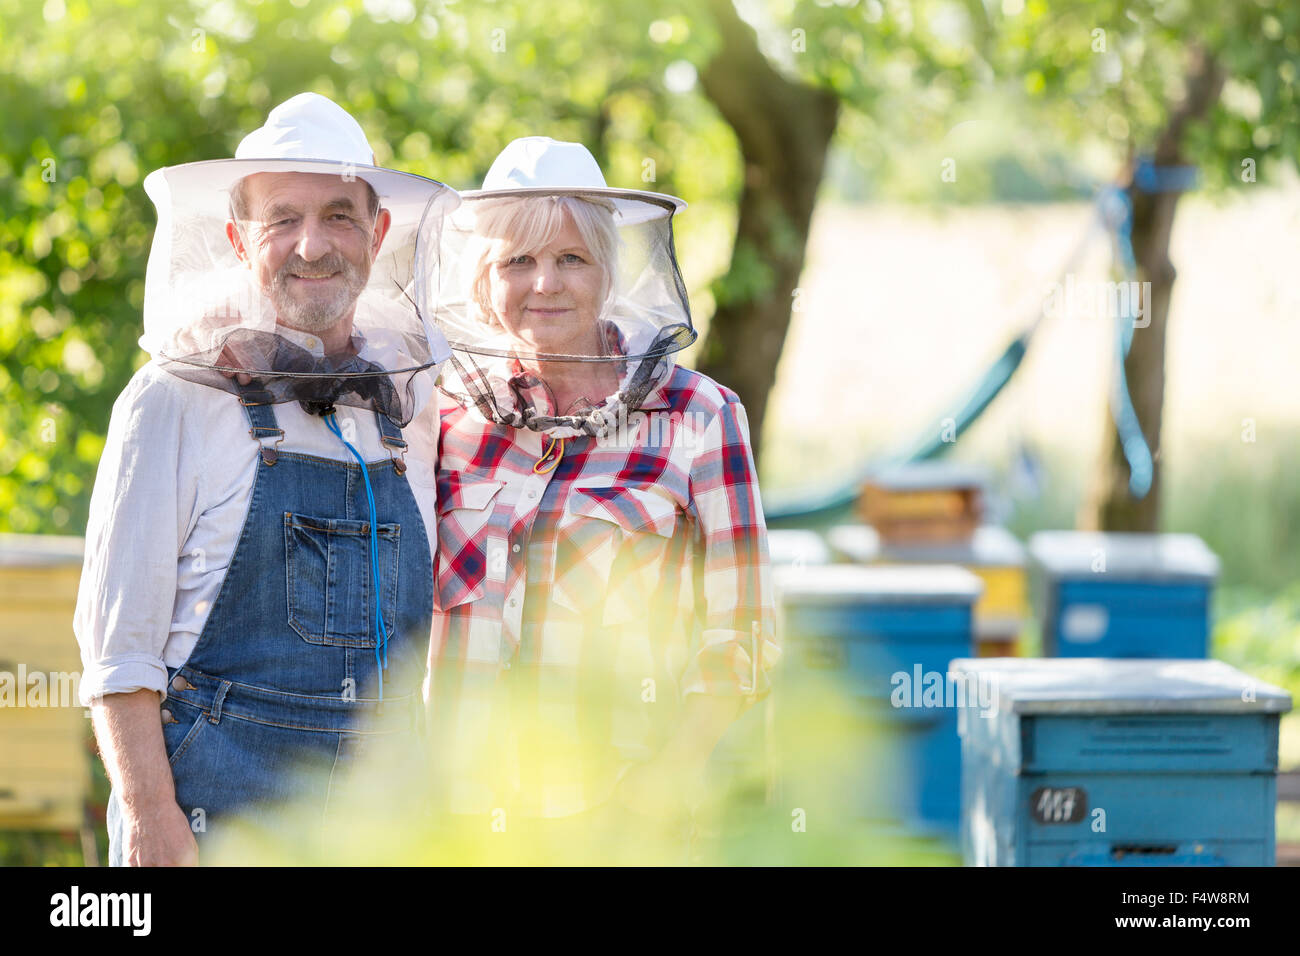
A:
330, 263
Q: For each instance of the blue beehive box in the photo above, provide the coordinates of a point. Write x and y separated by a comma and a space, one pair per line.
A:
1123, 595
1097, 762
992, 553
883, 636
741, 760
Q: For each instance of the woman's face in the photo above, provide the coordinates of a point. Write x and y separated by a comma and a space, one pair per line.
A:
549, 298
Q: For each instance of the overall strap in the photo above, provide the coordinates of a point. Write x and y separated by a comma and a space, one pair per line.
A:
390, 436
260, 408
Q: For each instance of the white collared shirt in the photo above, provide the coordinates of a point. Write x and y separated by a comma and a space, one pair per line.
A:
169, 502
307, 340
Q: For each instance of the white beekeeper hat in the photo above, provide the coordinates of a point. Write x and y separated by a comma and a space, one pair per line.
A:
205, 315
639, 317
539, 165
308, 133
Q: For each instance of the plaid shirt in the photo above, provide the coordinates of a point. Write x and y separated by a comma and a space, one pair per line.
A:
581, 605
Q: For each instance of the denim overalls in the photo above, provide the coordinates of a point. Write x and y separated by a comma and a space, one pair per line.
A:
284, 674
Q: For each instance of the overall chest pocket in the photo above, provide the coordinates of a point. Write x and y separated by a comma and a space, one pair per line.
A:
329, 582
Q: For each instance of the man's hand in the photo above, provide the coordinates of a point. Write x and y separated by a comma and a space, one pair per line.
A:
158, 835
155, 830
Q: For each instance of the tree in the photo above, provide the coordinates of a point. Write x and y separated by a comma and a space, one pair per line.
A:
1196, 83
783, 90
784, 128
107, 95
95, 99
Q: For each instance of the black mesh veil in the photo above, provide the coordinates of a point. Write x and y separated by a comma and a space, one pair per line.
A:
212, 318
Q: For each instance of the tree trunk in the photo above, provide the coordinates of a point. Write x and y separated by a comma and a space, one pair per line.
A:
1111, 506
784, 129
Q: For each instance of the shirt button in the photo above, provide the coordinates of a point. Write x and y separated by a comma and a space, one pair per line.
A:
515, 549
513, 602
532, 494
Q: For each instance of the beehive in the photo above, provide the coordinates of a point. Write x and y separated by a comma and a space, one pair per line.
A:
993, 554
1102, 762
864, 632
924, 502
44, 766
1123, 595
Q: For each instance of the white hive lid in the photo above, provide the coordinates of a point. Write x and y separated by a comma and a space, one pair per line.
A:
1096, 685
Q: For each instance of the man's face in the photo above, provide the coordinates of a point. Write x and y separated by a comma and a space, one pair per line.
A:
310, 241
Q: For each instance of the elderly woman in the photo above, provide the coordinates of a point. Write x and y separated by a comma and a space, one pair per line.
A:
601, 575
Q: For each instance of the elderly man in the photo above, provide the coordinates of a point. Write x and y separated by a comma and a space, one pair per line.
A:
256, 597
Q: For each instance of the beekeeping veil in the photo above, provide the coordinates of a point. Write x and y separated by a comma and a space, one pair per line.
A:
263, 320
549, 275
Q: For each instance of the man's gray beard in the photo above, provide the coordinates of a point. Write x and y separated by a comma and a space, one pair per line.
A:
316, 314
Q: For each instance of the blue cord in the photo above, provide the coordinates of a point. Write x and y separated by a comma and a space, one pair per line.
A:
381, 647
1151, 178
1141, 465
796, 510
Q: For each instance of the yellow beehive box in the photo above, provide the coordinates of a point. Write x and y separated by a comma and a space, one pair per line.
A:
924, 503
44, 765
993, 554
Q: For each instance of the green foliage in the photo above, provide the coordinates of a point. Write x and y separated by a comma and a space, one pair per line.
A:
97, 96
750, 277
1261, 637
1053, 80
1113, 72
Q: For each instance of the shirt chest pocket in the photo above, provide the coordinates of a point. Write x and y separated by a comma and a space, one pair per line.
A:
465, 506
612, 546
330, 582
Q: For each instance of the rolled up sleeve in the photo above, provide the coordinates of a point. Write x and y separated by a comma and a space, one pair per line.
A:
735, 646
135, 531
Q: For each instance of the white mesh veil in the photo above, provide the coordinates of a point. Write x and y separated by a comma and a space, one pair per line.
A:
547, 292
210, 318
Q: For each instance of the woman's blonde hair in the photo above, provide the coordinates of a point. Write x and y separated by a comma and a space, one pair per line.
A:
519, 225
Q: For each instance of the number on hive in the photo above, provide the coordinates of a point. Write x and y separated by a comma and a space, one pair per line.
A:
1059, 804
